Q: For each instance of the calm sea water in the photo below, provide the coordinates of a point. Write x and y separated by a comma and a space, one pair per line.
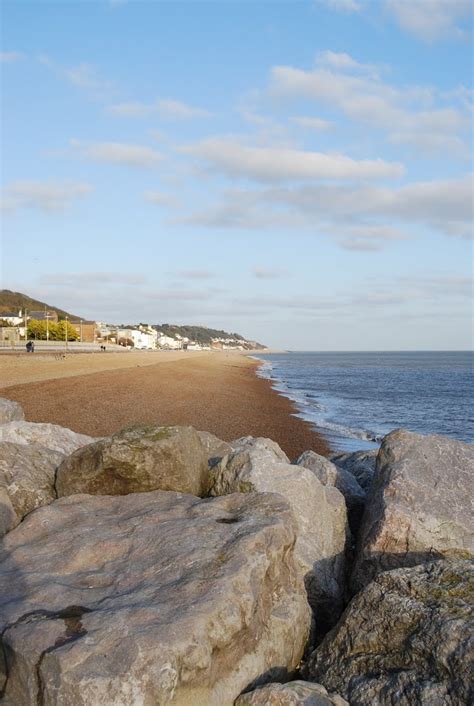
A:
356, 398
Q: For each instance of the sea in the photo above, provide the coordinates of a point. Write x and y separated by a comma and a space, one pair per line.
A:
354, 399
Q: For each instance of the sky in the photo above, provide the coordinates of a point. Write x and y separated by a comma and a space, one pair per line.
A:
299, 172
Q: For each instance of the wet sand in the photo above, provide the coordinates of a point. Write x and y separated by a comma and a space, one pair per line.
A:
216, 392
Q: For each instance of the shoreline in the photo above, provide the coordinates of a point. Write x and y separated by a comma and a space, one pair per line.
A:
216, 392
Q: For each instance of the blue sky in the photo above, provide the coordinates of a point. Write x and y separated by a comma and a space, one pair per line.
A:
300, 172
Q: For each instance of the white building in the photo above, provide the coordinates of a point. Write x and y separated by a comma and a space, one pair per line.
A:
169, 342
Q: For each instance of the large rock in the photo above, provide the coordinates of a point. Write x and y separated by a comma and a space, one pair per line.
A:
8, 516
406, 639
420, 506
360, 463
27, 475
215, 448
293, 693
52, 436
152, 598
330, 474
10, 411
137, 460
266, 448
320, 514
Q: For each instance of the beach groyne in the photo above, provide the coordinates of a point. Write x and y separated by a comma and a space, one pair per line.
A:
165, 565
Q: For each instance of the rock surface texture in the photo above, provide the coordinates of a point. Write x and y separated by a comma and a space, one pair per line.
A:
266, 448
27, 475
420, 506
10, 411
360, 463
152, 598
293, 693
8, 517
330, 474
405, 639
137, 460
215, 448
320, 514
52, 436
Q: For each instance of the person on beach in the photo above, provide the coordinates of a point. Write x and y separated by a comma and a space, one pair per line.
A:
28, 347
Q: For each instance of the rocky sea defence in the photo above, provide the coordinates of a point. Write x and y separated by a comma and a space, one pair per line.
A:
163, 566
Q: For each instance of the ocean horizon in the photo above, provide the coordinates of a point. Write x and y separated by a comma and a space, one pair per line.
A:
355, 398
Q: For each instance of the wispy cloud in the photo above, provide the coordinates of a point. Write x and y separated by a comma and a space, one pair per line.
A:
42, 195
312, 123
163, 198
430, 20
130, 155
354, 215
196, 274
235, 159
406, 114
83, 76
269, 272
348, 6
97, 279
166, 108
9, 57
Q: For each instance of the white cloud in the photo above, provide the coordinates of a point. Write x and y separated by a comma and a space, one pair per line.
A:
9, 57
42, 195
344, 62
355, 216
404, 114
97, 279
431, 19
312, 123
196, 274
163, 198
348, 6
269, 272
234, 159
83, 76
166, 108
176, 110
119, 153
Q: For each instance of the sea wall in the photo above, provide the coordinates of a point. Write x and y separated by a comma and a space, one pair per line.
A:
162, 565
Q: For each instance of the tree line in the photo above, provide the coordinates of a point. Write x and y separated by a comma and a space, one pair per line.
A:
41, 331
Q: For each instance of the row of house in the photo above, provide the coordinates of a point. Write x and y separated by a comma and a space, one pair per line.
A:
141, 337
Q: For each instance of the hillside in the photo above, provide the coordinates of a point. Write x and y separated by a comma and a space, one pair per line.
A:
204, 335
12, 302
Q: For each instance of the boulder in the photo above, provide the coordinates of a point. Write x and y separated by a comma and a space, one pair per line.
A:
320, 514
137, 460
405, 639
8, 516
27, 475
10, 411
293, 693
266, 448
52, 436
332, 475
215, 448
360, 463
151, 598
420, 505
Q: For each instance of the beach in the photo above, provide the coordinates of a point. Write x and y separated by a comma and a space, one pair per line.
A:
100, 393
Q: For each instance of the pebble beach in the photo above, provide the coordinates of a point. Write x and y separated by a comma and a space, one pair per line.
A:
99, 393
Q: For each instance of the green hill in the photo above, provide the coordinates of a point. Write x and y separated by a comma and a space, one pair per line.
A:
204, 335
12, 302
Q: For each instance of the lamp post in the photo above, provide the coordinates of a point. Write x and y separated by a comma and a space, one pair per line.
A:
65, 335
81, 330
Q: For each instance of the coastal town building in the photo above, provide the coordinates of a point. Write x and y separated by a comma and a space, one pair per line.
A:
43, 316
12, 318
86, 330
